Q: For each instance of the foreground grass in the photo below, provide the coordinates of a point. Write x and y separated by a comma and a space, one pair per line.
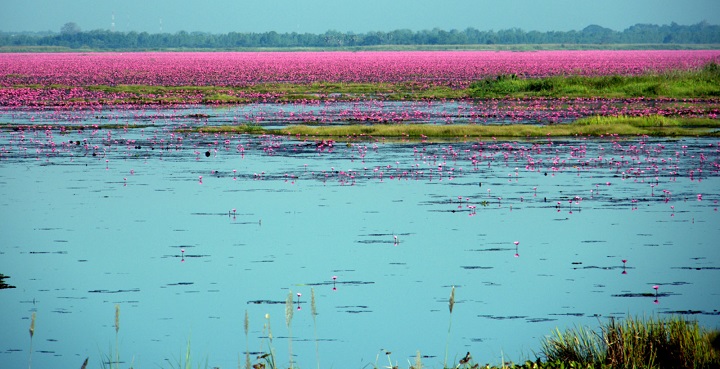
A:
592, 126
637, 343
632, 343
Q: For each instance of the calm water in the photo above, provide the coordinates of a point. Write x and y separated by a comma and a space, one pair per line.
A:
135, 225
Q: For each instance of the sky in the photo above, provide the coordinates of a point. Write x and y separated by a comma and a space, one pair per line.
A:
358, 16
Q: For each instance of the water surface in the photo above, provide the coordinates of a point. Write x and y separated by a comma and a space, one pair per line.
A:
97, 218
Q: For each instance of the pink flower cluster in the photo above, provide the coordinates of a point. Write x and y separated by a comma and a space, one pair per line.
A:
454, 68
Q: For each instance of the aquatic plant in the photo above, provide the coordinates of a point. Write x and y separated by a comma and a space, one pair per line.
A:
185, 361
592, 126
244, 69
246, 328
636, 343
313, 312
695, 82
288, 321
117, 328
32, 333
451, 304
268, 358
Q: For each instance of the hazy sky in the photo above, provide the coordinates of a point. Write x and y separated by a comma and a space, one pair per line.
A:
317, 16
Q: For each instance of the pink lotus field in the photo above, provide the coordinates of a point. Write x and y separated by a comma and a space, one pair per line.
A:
453, 68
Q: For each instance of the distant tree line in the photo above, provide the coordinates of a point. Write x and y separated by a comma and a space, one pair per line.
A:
71, 36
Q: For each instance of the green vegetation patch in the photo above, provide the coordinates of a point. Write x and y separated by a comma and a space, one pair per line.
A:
636, 343
703, 82
592, 126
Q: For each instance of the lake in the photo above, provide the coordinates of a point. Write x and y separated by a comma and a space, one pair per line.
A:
187, 232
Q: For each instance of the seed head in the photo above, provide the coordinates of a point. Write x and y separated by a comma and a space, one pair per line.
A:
452, 299
32, 325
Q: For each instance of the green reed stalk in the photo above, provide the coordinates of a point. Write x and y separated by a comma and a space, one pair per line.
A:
451, 304
271, 361
32, 333
313, 312
117, 328
246, 325
288, 322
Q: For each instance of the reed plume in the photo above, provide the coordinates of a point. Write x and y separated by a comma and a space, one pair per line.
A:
313, 311
246, 325
418, 361
288, 322
451, 304
271, 355
32, 333
117, 328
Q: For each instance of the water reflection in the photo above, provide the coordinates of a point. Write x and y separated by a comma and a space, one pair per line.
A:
187, 242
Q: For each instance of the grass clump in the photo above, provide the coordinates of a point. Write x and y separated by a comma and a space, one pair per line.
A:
701, 82
636, 343
590, 126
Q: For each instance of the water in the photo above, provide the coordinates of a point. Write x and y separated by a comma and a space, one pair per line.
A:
134, 225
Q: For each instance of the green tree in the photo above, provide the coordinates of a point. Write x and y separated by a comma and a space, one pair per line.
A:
70, 28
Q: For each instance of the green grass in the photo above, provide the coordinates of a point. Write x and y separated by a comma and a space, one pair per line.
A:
592, 126
702, 82
636, 343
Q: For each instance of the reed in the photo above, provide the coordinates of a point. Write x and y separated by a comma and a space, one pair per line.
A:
185, 361
246, 326
288, 322
117, 329
269, 357
418, 362
573, 345
451, 304
313, 312
32, 333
